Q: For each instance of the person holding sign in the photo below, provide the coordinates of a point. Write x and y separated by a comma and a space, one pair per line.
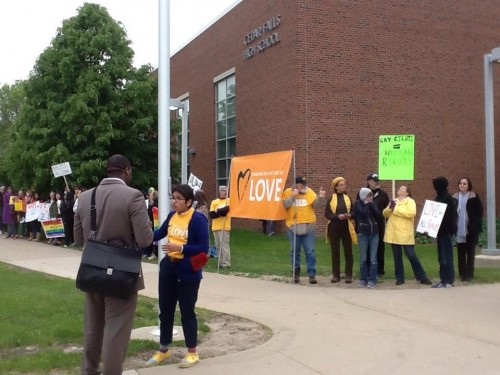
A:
446, 231
381, 200
470, 213
339, 212
400, 234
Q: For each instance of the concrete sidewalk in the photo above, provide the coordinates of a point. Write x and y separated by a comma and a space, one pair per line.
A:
326, 329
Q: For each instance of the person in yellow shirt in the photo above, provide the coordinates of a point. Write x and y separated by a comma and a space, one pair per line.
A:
299, 202
221, 226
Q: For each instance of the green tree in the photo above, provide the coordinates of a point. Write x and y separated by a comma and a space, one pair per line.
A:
11, 100
84, 102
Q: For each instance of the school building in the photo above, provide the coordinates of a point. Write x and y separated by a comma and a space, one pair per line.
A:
326, 78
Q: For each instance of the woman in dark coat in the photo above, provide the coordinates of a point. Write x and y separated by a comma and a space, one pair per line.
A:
470, 214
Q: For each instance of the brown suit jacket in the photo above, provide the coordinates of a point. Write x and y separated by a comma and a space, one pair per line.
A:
122, 217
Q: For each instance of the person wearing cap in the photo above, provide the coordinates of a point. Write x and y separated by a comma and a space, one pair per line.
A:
367, 218
221, 226
122, 220
299, 202
340, 215
381, 200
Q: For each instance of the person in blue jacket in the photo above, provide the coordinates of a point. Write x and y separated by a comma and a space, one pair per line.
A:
185, 252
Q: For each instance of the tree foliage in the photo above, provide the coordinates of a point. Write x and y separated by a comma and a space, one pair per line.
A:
84, 101
11, 100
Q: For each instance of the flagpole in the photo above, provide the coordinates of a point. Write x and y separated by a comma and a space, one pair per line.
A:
295, 220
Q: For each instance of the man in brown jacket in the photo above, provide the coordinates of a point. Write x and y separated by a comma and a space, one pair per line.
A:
122, 219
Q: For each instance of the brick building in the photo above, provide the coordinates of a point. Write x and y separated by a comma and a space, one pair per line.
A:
327, 77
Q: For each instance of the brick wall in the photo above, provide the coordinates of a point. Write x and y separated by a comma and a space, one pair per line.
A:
343, 73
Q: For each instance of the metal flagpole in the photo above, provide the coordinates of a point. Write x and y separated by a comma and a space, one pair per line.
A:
294, 219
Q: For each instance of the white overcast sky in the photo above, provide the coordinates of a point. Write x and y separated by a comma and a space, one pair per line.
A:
27, 27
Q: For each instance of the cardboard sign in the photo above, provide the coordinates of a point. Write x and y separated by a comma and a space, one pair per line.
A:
62, 169
33, 211
431, 218
18, 206
396, 157
44, 212
53, 228
195, 182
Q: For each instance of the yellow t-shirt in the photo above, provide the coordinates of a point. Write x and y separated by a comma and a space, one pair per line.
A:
221, 222
178, 230
302, 210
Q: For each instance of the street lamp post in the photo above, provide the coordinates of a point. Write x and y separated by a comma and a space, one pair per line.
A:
184, 107
489, 60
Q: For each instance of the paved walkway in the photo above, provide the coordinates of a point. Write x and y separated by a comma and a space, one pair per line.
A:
325, 329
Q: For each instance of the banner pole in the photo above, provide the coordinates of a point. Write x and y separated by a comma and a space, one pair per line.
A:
393, 189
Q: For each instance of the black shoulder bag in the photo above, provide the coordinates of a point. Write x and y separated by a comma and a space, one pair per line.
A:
105, 269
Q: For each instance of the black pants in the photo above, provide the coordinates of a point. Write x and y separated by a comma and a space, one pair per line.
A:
466, 253
337, 232
171, 290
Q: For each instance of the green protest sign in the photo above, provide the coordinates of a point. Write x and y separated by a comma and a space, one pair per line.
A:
396, 157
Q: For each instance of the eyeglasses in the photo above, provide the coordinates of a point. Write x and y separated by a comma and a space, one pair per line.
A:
177, 199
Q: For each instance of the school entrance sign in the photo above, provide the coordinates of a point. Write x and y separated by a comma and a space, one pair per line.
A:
396, 159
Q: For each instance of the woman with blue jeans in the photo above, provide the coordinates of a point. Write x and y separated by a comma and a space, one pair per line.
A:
367, 218
400, 233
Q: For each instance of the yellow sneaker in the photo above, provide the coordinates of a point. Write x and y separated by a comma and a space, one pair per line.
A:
157, 358
189, 360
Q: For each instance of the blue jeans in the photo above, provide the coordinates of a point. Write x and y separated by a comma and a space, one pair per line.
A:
368, 244
307, 241
445, 258
399, 268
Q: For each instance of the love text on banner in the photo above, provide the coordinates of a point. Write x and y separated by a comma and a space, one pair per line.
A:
257, 184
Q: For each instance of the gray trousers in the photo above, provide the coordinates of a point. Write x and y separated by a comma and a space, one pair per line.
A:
222, 238
107, 327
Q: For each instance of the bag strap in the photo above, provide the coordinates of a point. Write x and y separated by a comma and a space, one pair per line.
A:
93, 215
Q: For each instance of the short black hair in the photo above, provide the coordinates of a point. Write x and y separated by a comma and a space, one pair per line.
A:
186, 191
116, 164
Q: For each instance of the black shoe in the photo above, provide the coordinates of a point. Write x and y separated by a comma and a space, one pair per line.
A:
400, 282
296, 276
426, 281
334, 280
312, 280
348, 280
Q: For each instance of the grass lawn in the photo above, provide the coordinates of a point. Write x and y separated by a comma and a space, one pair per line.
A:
42, 315
255, 254
42, 323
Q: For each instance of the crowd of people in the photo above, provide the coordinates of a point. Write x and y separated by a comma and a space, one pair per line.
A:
13, 208
373, 220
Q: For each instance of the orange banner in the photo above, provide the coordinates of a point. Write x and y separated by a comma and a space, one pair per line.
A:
257, 185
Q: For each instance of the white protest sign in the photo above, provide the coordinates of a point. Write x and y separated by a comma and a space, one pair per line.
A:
43, 212
431, 218
61, 169
33, 211
195, 182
